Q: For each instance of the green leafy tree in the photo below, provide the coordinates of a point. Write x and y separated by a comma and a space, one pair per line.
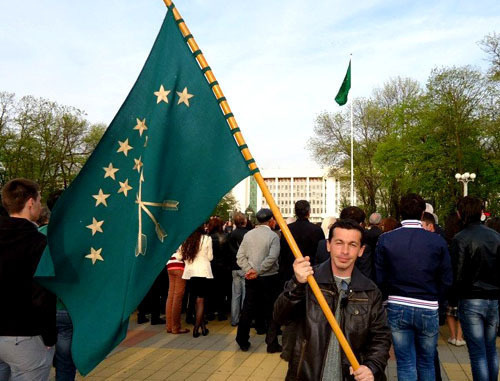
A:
225, 207
44, 141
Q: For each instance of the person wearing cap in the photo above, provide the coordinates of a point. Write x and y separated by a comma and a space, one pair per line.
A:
258, 258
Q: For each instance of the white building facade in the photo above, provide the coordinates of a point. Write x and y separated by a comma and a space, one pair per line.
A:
325, 193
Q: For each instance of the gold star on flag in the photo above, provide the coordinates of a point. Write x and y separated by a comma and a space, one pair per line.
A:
124, 147
124, 187
141, 126
161, 95
95, 226
110, 171
101, 198
95, 255
184, 97
138, 164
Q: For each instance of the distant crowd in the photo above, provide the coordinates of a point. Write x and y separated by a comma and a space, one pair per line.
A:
387, 282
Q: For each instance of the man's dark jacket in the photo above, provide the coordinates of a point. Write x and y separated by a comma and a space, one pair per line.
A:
307, 235
27, 308
363, 321
475, 254
233, 244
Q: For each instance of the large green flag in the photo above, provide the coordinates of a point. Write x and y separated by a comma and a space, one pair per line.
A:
165, 161
341, 97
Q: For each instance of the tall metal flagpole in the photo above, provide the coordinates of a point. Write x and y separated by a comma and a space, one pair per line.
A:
352, 144
235, 130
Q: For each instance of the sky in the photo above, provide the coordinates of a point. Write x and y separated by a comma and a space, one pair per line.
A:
279, 63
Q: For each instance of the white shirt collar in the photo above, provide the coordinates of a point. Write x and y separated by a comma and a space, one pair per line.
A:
412, 224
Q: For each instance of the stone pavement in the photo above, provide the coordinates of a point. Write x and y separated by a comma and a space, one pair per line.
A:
149, 353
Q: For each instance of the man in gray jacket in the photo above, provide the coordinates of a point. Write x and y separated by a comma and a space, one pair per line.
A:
258, 258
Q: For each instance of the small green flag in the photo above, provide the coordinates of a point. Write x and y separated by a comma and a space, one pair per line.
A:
165, 161
341, 97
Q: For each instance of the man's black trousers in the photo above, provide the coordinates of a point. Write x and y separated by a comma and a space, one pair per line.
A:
260, 295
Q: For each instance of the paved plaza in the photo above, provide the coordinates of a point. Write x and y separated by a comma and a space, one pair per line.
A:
149, 353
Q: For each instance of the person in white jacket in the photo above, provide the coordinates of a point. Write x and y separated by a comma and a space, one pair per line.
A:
197, 253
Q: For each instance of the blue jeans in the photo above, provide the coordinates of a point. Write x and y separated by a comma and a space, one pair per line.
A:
63, 362
414, 336
238, 295
479, 320
25, 358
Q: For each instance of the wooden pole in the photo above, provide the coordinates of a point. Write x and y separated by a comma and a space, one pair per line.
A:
260, 181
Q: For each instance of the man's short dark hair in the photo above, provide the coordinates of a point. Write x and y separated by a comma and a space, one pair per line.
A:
428, 218
349, 225
17, 192
411, 206
353, 213
53, 197
470, 209
264, 215
302, 208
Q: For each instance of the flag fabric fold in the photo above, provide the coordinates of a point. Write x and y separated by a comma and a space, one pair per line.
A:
341, 97
162, 165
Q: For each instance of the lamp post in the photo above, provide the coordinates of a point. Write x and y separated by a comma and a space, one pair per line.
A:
3, 170
465, 178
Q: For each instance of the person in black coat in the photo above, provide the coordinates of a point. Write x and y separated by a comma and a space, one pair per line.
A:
28, 315
306, 234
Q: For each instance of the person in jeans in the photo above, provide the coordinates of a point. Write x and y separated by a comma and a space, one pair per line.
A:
233, 244
475, 253
177, 286
27, 320
413, 271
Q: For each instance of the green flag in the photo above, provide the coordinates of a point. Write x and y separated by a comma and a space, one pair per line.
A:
164, 162
341, 97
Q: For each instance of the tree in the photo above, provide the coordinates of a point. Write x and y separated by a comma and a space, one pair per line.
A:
374, 119
44, 141
490, 44
225, 207
447, 134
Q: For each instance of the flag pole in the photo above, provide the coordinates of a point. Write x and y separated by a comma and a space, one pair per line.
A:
235, 130
352, 145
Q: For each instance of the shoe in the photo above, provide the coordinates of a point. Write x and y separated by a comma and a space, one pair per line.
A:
204, 331
261, 331
222, 317
460, 343
141, 319
157, 321
452, 341
196, 332
169, 331
274, 348
245, 347
181, 331
234, 324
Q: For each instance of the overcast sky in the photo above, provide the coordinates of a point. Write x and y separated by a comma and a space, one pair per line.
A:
279, 63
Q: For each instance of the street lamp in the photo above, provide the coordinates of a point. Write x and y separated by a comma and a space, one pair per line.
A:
465, 178
3, 170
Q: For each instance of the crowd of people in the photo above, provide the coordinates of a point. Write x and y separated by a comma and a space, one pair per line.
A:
387, 282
